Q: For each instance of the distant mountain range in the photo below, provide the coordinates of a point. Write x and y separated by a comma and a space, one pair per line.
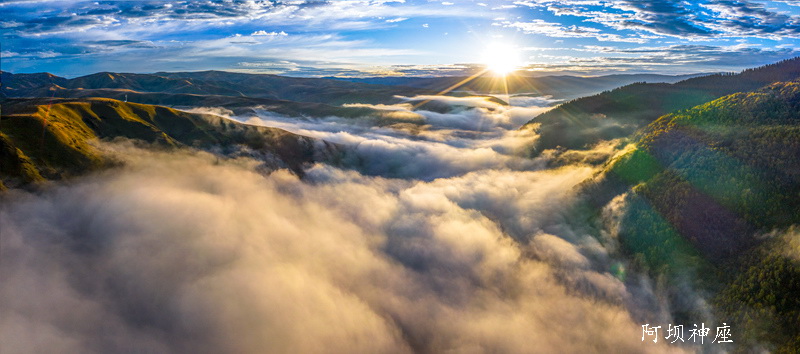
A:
217, 83
235, 91
294, 96
563, 86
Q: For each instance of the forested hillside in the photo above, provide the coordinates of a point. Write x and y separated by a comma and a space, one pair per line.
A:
620, 112
714, 195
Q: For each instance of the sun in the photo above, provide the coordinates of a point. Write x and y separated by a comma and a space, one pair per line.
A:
501, 58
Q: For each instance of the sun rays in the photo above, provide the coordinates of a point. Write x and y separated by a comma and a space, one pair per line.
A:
500, 61
501, 58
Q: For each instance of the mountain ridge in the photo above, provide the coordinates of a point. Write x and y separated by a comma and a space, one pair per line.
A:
51, 138
563, 86
703, 189
580, 123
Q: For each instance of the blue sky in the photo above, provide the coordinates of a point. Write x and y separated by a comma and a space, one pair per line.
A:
381, 37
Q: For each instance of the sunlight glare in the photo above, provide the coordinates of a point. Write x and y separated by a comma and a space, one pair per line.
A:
501, 58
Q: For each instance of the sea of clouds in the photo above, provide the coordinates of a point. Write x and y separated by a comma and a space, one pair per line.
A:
440, 238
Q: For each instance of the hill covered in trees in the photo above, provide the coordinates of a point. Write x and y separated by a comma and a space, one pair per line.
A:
620, 112
712, 194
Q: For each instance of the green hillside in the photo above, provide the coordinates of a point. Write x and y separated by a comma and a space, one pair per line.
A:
620, 112
704, 185
39, 140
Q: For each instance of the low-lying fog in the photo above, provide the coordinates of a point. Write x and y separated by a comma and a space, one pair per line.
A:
442, 237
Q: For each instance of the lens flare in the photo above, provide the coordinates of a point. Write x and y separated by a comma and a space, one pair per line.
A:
501, 58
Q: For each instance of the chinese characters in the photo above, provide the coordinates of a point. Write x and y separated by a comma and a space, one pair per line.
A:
697, 335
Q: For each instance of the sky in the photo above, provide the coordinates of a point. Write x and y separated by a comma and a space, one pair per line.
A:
399, 38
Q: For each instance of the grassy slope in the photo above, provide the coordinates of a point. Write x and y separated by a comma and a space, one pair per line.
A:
38, 140
704, 182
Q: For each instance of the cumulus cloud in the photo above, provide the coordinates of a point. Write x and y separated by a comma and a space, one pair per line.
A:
179, 252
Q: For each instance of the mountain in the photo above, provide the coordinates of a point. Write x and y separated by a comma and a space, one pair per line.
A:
703, 188
618, 113
43, 84
240, 93
237, 104
298, 96
328, 91
177, 92
51, 138
20, 85
150, 83
562, 86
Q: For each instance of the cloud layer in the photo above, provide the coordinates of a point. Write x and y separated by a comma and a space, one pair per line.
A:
474, 249
471, 134
170, 255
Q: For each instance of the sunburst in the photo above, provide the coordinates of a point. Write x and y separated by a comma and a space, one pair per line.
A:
501, 58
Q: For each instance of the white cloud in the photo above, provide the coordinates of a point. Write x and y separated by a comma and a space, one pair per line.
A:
557, 30
168, 255
474, 248
265, 33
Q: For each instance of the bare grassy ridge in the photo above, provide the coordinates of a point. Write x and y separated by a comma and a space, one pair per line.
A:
43, 141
